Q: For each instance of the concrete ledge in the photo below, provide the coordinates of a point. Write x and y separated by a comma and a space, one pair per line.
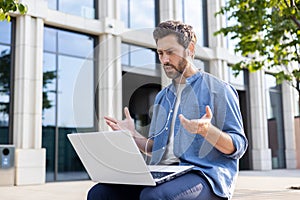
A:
30, 166
262, 159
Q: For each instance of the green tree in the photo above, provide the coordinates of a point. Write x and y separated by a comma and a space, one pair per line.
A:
5, 77
268, 35
7, 6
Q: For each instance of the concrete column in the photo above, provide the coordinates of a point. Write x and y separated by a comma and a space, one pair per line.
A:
27, 114
167, 10
289, 130
215, 23
219, 69
217, 66
261, 153
109, 79
109, 69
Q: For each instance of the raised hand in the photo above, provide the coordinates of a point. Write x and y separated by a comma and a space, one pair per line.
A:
197, 126
126, 124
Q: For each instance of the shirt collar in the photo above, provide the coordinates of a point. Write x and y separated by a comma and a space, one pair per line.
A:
188, 81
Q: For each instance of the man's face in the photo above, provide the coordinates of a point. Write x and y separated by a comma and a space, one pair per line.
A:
172, 56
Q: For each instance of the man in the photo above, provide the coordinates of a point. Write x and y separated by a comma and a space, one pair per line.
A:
196, 120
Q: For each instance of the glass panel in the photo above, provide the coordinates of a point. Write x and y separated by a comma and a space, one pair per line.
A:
125, 60
124, 11
58, 119
69, 70
5, 67
74, 44
5, 63
138, 13
275, 122
236, 80
200, 64
78, 7
142, 13
5, 32
50, 36
74, 7
52, 4
136, 56
49, 87
231, 43
297, 102
197, 19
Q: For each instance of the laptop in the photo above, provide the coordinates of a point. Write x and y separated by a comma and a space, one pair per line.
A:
113, 157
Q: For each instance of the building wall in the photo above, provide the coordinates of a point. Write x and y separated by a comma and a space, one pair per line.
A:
297, 131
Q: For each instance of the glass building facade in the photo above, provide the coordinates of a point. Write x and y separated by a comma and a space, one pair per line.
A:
6, 73
65, 54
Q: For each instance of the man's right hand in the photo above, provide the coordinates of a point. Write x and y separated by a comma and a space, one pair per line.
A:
126, 124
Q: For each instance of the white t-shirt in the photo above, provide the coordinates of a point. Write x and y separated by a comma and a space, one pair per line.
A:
169, 157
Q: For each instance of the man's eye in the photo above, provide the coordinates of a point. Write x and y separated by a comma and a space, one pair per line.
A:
169, 52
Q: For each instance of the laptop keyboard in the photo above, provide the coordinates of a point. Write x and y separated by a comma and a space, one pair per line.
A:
158, 175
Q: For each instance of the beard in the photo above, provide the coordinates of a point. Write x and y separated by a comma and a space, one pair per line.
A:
174, 72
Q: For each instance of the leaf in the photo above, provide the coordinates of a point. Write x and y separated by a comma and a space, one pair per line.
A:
22, 8
2, 16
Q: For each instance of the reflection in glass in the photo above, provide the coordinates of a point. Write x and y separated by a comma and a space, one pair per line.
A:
236, 80
65, 62
5, 80
81, 8
138, 13
50, 43
201, 64
275, 121
5, 59
5, 33
74, 44
136, 56
198, 19
69, 70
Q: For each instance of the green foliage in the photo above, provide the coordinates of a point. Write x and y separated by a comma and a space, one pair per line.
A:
7, 6
5, 77
268, 33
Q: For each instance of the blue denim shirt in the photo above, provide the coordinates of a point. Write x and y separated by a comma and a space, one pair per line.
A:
201, 89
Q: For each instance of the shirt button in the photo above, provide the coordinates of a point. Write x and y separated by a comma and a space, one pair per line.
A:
166, 128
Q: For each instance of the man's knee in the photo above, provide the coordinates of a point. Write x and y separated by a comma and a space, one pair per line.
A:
97, 192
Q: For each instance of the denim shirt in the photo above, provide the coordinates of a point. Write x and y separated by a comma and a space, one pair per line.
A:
201, 89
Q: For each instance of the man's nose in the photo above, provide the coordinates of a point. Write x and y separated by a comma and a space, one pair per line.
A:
165, 59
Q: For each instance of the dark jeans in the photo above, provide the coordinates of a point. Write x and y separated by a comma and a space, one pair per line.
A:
190, 186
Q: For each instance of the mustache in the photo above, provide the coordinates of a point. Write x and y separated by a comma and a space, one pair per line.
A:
173, 66
169, 64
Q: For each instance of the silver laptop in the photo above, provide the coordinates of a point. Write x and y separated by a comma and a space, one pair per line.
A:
113, 157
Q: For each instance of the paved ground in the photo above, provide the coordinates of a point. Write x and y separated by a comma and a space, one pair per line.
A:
272, 185
254, 185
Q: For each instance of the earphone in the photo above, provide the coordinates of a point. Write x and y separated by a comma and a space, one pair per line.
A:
165, 126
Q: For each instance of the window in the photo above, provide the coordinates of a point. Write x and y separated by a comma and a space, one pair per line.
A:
198, 18
275, 121
138, 57
202, 64
138, 13
67, 56
81, 8
6, 64
296, 102
239, 80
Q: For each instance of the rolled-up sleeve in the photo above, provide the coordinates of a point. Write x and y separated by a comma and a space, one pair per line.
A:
233, 124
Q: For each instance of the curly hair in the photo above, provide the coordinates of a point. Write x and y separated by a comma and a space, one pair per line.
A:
184, 32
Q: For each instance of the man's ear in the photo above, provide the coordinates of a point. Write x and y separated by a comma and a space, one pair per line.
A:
191, 49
